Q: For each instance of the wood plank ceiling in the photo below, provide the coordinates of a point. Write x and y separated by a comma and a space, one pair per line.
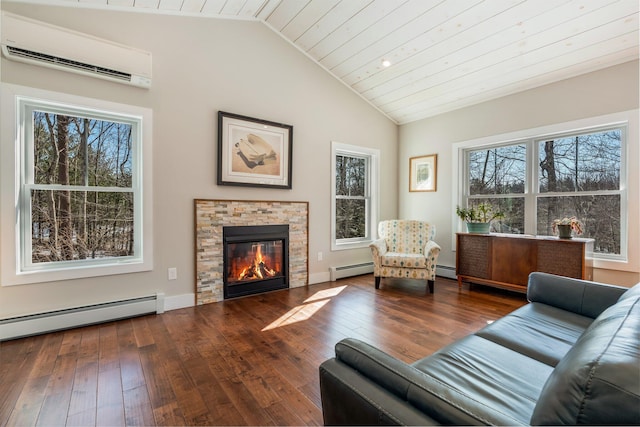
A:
443, 54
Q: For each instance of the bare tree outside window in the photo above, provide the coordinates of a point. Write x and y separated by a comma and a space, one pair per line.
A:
500, 171
577, 175
351, 197
81, 196
580, 176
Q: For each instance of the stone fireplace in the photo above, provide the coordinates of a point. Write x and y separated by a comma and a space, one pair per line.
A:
251, 245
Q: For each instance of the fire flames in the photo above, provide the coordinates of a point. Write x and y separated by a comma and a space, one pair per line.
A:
258, 268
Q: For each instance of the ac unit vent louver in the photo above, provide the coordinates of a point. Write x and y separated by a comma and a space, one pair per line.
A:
28, 54
39, 43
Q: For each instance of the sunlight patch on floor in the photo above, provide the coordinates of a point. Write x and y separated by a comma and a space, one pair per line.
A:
327, 293
304, 311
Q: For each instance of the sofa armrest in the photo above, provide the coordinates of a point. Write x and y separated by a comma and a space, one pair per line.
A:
389, 372
598, 381
350, 398
364, 385
578, 296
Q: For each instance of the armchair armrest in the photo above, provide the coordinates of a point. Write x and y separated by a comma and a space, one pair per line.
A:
431, 249
378, 247
578, 296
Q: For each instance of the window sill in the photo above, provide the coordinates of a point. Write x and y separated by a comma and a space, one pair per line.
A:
70, 273
353, 245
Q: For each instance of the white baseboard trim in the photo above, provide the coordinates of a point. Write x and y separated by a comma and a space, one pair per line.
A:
175, 302
315, 278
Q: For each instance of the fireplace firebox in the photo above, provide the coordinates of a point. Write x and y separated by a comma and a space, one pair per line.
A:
256, 259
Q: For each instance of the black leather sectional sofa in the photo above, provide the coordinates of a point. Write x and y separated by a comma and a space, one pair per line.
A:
571, 356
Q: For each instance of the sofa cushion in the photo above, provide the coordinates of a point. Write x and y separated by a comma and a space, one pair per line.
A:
395, 259
539, 331
598, 381
476, 381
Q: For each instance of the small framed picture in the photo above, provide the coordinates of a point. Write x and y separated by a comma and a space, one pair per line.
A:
253, 152
423, 173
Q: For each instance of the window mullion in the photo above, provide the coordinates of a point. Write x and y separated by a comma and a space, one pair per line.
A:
531, 189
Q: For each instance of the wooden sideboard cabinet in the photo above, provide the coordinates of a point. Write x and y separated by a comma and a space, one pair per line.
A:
505, 260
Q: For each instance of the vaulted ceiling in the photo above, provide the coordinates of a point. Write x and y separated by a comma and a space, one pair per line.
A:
442, 54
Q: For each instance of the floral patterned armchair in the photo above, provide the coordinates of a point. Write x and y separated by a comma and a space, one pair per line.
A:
405, 249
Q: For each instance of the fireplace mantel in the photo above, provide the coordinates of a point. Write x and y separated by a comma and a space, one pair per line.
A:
212, 215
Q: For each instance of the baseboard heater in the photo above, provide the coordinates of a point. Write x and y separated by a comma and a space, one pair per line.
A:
33, 324
350, 270
446, 271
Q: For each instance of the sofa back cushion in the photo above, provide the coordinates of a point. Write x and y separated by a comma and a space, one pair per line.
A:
578, 296
406, 236
598, 380
633, 293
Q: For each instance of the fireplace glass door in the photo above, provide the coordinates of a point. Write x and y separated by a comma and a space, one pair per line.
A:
255, 259
250, 261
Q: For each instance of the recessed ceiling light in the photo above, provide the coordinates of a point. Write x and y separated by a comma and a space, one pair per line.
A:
386, 63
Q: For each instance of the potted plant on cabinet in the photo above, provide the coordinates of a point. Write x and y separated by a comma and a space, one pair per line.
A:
565, 226
479, 217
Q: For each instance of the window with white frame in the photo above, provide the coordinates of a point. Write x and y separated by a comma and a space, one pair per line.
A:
354, 201
79, 191
535, 181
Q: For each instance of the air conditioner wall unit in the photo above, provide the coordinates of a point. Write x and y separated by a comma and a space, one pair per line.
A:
35, 42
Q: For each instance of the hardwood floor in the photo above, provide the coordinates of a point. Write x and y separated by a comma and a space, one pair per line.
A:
249, 361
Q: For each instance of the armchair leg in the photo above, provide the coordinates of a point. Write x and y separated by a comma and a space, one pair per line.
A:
431, 284
377, 278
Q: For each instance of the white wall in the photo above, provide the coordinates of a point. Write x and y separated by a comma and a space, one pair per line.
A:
600, 93
201, 66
